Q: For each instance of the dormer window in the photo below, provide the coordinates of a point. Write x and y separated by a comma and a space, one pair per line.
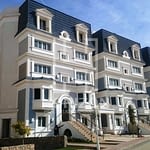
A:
82, 34
44, 19
112, 44
136, 51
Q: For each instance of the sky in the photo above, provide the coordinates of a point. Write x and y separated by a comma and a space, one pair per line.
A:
128, 18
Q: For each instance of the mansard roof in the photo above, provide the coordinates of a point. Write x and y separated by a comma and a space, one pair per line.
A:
60, 21
123, 44
146, 55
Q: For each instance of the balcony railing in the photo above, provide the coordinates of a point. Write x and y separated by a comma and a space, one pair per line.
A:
42, 105
144, 111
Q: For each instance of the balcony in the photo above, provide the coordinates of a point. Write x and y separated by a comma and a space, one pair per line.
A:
143, 111
42, 105
85, 107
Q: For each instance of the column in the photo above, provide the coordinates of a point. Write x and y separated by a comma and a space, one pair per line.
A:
49, 26
42, 94
38, 22
100, 124
110, 121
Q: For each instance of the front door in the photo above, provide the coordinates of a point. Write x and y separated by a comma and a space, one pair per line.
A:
65, 110
104, 120
6, 128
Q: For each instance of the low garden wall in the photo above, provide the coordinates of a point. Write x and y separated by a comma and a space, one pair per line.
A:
19, 147
40, 143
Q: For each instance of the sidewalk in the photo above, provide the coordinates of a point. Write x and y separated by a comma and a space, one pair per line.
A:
129, 143
113, 142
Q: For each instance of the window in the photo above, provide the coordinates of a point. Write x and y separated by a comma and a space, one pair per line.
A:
145, 103
64, 56
42, 69
112, 44
44, 19
87, 97
80, 97
82, 76
126, 71
138, 86
37, 93
136, 70
127, 88
82, 33
139, 103
113, 82
136, 51
43, 45
64, 79
43, 24
82, 56
41, 121
112, 64
113, 100
46, 93
65, 35
120, 101
118, 121
101, 100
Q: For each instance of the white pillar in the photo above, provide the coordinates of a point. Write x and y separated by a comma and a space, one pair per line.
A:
110, 121
38, 22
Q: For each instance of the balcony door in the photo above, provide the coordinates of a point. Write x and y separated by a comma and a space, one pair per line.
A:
65, 110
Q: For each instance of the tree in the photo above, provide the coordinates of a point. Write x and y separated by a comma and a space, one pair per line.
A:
21, 129
132, 127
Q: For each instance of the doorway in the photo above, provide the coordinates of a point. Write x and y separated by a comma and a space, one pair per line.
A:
104, 120
65, 110
6, 128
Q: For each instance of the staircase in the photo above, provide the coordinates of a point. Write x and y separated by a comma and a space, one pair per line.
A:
83, 130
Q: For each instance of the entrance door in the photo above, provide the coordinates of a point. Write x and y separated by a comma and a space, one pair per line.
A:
104, 120
65, 110
6, 128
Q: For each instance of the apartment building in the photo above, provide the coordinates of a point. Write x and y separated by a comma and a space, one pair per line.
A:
48, 74
51, 73
120, 80
146, 57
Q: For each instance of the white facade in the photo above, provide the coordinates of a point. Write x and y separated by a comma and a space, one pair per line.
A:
8, 73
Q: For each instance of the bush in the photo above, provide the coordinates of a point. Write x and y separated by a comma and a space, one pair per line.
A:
21, 129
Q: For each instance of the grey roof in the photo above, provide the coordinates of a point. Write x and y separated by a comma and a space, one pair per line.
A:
60, 21
124, 44
146, 55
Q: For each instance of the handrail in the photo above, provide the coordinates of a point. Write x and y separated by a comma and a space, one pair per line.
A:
92, 123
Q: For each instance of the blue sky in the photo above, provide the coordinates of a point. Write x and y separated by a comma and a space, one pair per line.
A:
128, 18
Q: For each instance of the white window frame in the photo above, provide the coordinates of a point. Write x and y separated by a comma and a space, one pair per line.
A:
111, 67
82, 29
41, 50
138, 89
136, 49
112, 40
114, 86
135, 72
44, 14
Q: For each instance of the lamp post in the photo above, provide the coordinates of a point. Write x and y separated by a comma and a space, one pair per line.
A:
97, 137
